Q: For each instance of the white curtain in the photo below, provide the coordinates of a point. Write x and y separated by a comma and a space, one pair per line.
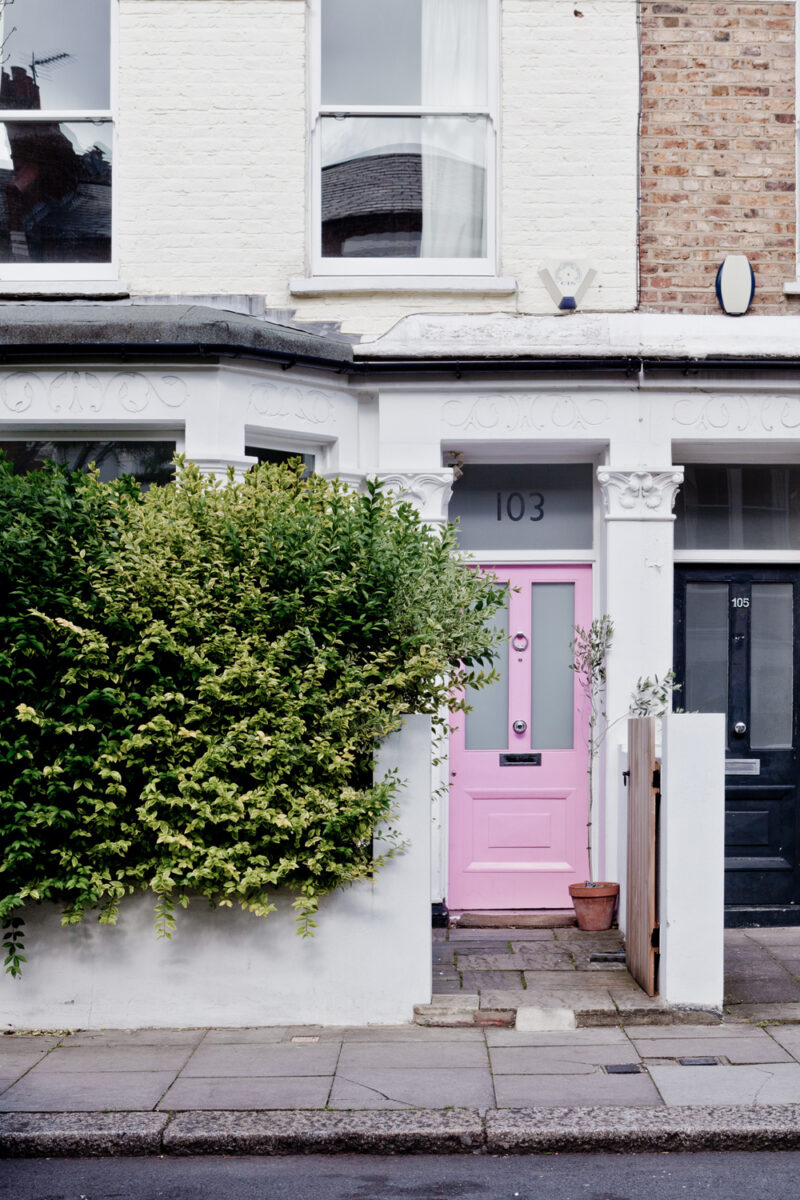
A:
454, 75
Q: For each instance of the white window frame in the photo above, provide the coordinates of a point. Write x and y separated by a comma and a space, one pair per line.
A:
428, 269
11, 273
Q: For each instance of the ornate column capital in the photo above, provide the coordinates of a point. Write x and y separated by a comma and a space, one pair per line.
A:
639, 495
353, 479
428, 491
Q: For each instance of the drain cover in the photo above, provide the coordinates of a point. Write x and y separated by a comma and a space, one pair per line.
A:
703, 1061
623, 1069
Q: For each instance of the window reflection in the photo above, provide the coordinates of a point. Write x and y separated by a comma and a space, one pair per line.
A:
55, 192
723, 507
148, 462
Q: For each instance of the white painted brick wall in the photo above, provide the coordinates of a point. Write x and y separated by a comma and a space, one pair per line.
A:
212, 154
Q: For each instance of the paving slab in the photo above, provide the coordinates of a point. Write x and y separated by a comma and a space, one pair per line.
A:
237, 1060
429, 1055
90, 1092
539, 1130
778, 935
135, 1037
750, 990
555, 1060
757, 1013
90, 1134
544, 956
504, 961
308, 1091
685, 1032
389, 1087
268, 1036
522, 1091
97, 1058
408, 1131
601, 1035
424, 1034
787, 1036
776, 1083
495, 981
20, 1057
755, 1049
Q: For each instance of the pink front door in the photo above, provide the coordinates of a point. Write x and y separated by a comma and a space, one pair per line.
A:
518, 784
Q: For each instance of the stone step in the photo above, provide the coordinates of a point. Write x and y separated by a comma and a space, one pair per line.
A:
522, 1012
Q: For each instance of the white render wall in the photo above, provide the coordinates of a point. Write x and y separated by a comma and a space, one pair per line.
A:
212, 175
692, 866
369, 961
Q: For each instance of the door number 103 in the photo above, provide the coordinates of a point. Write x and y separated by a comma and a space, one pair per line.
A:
740, 602
514, 506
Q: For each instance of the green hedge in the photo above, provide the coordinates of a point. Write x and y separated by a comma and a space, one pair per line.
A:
193, 682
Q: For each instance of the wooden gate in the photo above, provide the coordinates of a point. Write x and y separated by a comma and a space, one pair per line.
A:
641, 929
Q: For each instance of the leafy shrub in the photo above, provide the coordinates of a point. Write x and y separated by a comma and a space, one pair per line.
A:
194, 682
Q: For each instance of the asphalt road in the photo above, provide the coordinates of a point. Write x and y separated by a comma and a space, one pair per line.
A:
732, 1176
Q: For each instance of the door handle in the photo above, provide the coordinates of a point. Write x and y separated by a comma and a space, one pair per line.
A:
519, 726
740, 729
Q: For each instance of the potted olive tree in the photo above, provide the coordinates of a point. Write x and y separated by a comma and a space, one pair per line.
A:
595, 900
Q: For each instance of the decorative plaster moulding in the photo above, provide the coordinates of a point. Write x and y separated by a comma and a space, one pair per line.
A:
428, 491
72, 394
572, 335
638, 494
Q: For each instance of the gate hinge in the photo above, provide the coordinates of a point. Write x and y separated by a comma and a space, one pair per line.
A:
625, 777
657, 778
655, 940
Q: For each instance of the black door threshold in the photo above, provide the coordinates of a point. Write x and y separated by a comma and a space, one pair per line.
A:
753, 916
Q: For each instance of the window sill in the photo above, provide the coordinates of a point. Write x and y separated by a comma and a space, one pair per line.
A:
63, 289
443, 285
792, 288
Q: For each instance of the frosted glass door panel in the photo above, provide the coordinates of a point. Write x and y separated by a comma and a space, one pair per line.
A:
552, 682
771, 666
486, 725
706, 648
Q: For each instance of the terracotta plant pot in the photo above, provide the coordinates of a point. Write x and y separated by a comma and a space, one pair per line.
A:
594, 904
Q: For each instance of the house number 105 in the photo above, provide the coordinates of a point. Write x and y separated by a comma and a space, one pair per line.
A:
740, 602
513, 506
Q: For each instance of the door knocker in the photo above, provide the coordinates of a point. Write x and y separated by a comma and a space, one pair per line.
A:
519, 642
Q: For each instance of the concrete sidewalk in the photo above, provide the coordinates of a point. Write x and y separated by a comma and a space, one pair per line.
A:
415, 1088
399, 1089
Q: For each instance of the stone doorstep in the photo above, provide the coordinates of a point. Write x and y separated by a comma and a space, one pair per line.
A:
452, 1011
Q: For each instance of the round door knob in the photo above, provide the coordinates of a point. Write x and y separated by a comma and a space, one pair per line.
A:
740, 728
520, 726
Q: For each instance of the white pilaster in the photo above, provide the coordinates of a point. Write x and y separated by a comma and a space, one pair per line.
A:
638, 549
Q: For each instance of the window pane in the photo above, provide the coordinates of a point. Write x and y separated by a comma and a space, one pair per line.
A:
706, 647
149, 462
520, 506
771, 666
371, 51
403, 187
738, 508
55, 192
279, 456
486, 725
553, 683
428, 52
55, 54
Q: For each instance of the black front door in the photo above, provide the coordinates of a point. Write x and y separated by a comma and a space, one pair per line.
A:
736, 653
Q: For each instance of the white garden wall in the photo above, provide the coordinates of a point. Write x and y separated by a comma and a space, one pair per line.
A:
370, 961
692, 865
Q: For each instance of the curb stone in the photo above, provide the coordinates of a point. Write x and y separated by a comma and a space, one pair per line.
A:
407, 1131
81, 1134
414, 1131
689, 1127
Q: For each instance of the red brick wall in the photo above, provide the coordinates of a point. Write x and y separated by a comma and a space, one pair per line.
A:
717, 150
